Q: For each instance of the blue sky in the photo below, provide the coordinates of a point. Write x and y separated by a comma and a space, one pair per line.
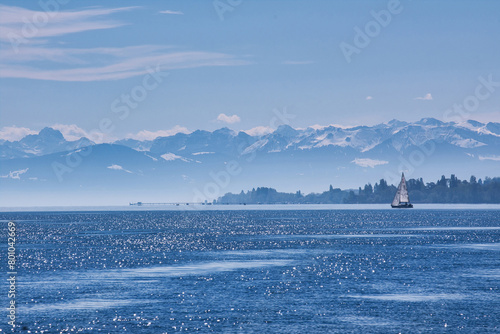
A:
234, 63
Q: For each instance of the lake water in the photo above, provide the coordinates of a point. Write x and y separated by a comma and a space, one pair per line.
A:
257, 271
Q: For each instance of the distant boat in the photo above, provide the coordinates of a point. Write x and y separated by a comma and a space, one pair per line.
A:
402, 200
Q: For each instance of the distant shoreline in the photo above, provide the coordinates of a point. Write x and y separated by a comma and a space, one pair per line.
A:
249, 207
450, 190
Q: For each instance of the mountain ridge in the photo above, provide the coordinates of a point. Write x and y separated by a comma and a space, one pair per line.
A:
205, 165
363, 138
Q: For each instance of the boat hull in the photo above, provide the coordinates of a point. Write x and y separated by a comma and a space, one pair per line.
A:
402, 206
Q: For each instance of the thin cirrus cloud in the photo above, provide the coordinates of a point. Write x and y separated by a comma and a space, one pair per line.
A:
76, 56
171, 12
228, 119
119, 67
23, 59
426, 97
28, 25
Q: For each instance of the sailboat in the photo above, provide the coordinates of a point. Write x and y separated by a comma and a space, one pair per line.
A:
402, 200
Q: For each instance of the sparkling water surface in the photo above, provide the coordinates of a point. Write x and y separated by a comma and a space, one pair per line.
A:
257, 271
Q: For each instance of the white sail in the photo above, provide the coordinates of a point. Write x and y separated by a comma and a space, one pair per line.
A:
402, 193
395, 201
403, 197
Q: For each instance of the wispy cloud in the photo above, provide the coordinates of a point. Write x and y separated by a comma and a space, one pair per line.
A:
122, 63
365, 162
151, 135
369, 98
171, 12
34, 56
14, 133
23, 25
492, 157
228, 119
427, 97
74, 56
298, 62
118, 167
16, 175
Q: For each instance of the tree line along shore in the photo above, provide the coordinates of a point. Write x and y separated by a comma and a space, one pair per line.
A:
444, 190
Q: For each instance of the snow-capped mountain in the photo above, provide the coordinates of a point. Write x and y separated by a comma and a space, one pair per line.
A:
212, 163
46, 141
395, 134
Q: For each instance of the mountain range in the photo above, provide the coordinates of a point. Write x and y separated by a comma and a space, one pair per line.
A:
46, 169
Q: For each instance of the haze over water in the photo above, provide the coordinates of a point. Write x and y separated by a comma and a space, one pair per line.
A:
259, 271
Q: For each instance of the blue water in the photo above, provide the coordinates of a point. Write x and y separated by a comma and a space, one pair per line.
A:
282, 271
